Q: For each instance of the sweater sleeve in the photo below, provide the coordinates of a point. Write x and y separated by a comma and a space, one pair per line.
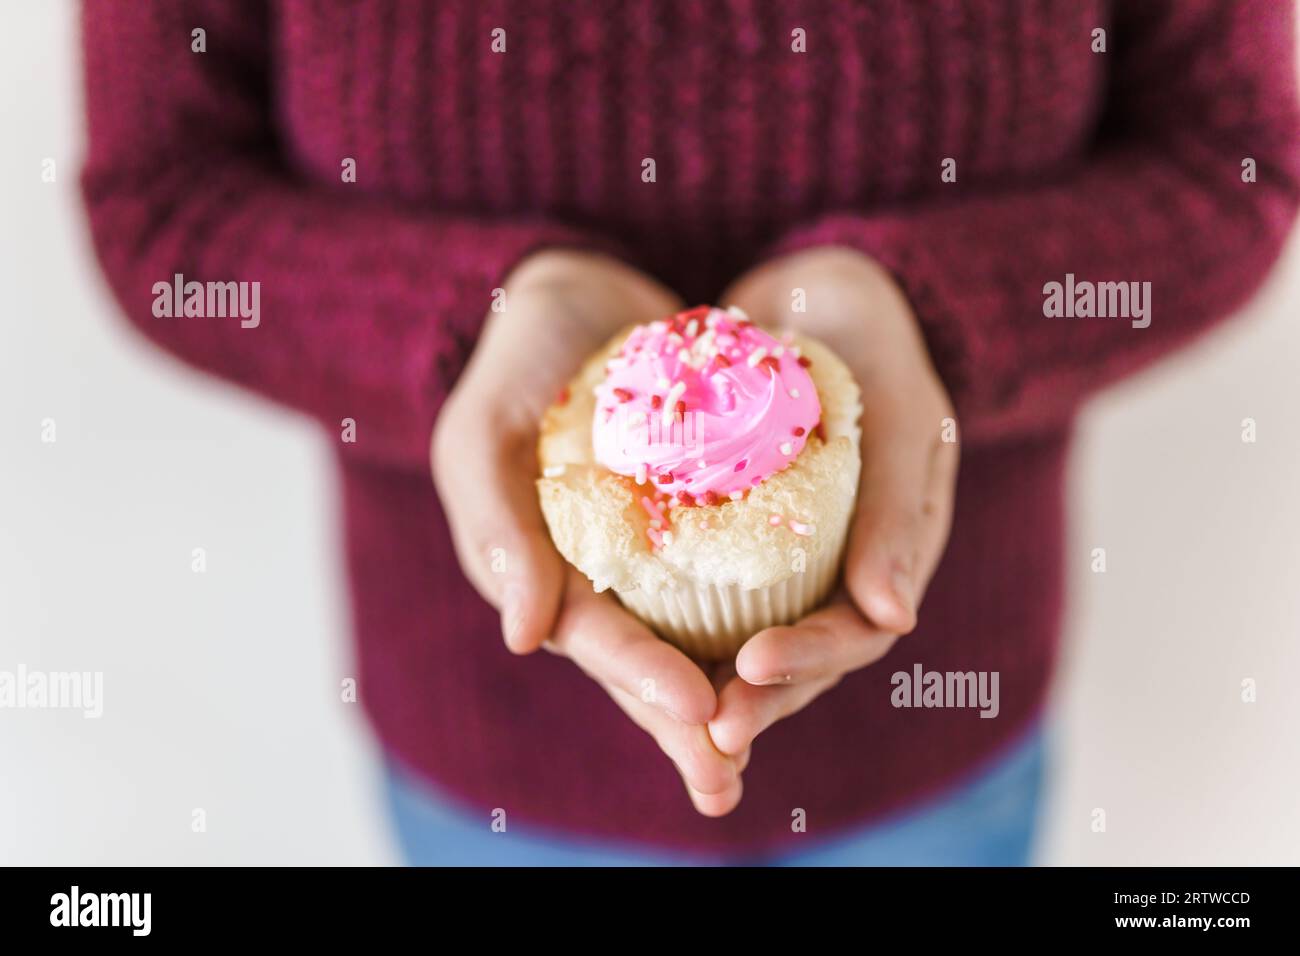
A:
367, 309
1197, 88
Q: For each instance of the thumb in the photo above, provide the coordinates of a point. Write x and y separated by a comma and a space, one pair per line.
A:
500, 537
884, 553
532, 577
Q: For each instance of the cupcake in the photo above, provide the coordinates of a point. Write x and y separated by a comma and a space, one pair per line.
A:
705, 471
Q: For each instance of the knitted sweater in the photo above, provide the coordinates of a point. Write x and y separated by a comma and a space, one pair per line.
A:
981, 150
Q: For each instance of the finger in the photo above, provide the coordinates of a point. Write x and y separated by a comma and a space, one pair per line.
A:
936, 512
886, 540
499, 534
717, 804
741, 759
704, 769
832, 641
617, 650
745, 711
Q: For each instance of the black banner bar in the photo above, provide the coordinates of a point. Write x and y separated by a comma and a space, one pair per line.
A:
368, 905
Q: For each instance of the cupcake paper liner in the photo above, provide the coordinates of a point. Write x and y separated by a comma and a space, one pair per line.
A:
710, 623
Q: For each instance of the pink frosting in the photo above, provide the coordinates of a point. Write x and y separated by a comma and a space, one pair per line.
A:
703, 406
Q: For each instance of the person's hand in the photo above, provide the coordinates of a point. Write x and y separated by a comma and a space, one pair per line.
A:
905, 496
622, 654
559, 307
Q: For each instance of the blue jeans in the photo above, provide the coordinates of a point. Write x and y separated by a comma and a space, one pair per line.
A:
988, 821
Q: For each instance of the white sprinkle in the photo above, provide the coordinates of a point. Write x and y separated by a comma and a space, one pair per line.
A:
787, 448
794, 393
778, 351
692, 327
656, 523
757, 356
674, 338
660, 326
641, 473
774, 520
667, 538
737, 311
735, 495
684, 356
702, 464
552, 471
798, 527
663, 383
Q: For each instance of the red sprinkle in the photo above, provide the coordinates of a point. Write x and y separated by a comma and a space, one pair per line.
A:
666, 478
681, 408
656, 401
805, 361
623, 395
740, 465
723, 361
798, 430
685, 497
563, 397
770, 362
709, 498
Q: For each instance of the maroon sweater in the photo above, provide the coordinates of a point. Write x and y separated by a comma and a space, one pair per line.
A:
1123, 165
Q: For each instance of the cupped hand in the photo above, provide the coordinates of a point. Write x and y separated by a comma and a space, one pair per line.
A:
905, 496
559, 307
663, 691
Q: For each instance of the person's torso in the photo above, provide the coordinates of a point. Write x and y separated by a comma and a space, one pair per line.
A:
694, 130
747, 137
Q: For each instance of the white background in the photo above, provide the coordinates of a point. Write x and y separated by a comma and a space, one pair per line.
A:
222, 689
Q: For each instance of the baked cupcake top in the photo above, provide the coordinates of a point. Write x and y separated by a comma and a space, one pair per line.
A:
703, 407
626, 535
